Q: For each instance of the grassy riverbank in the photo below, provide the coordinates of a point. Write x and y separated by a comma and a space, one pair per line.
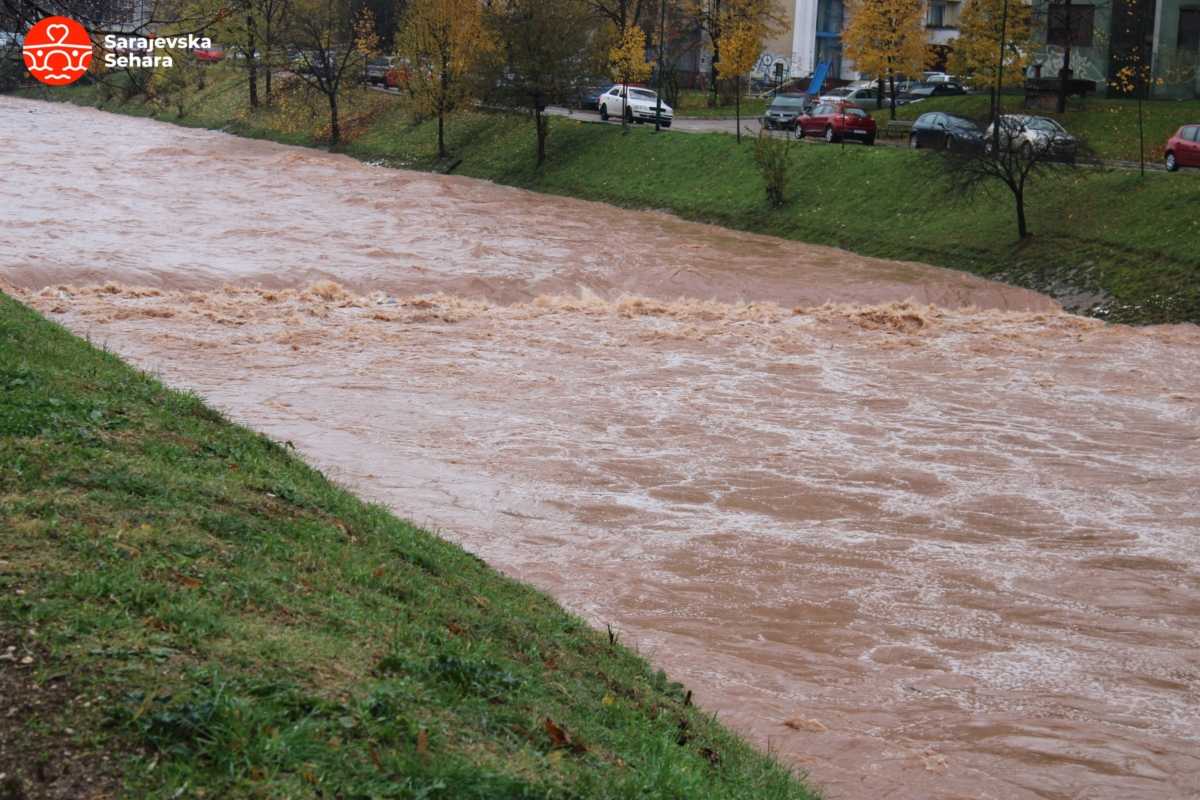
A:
1107, 243
188, 610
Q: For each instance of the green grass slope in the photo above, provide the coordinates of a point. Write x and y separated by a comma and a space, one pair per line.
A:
187, 611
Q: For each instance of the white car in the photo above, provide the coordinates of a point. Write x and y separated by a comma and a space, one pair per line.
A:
858, 95
642, 105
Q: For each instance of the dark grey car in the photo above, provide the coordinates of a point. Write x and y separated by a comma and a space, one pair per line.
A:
945, 131
783, 111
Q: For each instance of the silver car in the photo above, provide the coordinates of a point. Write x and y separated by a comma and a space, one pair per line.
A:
1030, 136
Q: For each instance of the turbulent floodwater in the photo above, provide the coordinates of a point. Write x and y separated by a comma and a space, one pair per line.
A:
920, 551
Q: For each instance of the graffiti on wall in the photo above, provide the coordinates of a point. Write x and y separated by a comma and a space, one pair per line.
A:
1084, 66
765, 66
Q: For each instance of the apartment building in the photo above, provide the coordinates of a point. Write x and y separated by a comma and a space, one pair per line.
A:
1106, 36
812, 36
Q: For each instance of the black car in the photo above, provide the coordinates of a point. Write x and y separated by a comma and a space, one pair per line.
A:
783, 112
589, 96
946, 132
923, 91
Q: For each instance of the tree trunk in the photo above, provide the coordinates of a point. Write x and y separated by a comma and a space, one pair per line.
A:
542, 125
267, 41
444, 81
335, 132
737, 105
879, 95
892, 92
251, 64
624, 107
1022, 229
713, 91
1068, 25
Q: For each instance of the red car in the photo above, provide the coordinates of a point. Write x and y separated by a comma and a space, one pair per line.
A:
1183, 149
836, 121
209, 55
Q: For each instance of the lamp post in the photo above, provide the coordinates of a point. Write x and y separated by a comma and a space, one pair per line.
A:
662, 27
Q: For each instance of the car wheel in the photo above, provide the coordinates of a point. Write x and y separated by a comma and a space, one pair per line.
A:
604, 113
829, 135
914, 142
629, 115
1172, 164
869, 141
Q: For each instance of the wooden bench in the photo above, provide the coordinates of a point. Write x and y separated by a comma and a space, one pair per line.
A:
897, 128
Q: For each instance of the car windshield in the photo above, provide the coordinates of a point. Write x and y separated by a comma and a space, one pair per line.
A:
855, 112
642, 94
839, 93
788, 102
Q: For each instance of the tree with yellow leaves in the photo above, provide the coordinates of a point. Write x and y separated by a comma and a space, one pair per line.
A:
441, 41
741, 44
627, 63
984, 27
715, 17
886, 38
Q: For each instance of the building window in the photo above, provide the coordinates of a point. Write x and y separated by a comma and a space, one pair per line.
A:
1189, 29
936, 18
1071, 25
830, 16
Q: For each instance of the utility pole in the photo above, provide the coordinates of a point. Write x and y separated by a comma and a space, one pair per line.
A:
662, 38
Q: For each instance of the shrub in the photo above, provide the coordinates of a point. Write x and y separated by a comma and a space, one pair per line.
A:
771, 154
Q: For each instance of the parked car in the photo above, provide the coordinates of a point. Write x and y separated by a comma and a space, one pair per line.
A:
924, 91
397, 77
1183, 149
589, 96
378, 69
209, 55
837, 121
783, 112
945, 131
641, 107
1031, 135
859, 95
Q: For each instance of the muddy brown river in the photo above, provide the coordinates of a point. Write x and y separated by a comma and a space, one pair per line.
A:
921, 535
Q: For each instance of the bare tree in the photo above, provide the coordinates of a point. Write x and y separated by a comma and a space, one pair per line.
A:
547, 51
104, 17
621, 13
333, 42
1030, 149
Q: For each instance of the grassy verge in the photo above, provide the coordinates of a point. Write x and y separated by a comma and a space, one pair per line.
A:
187, 610
1107, 243
1109, 126
694, 104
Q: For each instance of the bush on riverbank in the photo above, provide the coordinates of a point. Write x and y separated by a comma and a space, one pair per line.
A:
1106, 243
188, 609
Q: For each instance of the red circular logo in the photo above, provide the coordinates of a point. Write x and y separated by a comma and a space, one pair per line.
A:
57, 51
